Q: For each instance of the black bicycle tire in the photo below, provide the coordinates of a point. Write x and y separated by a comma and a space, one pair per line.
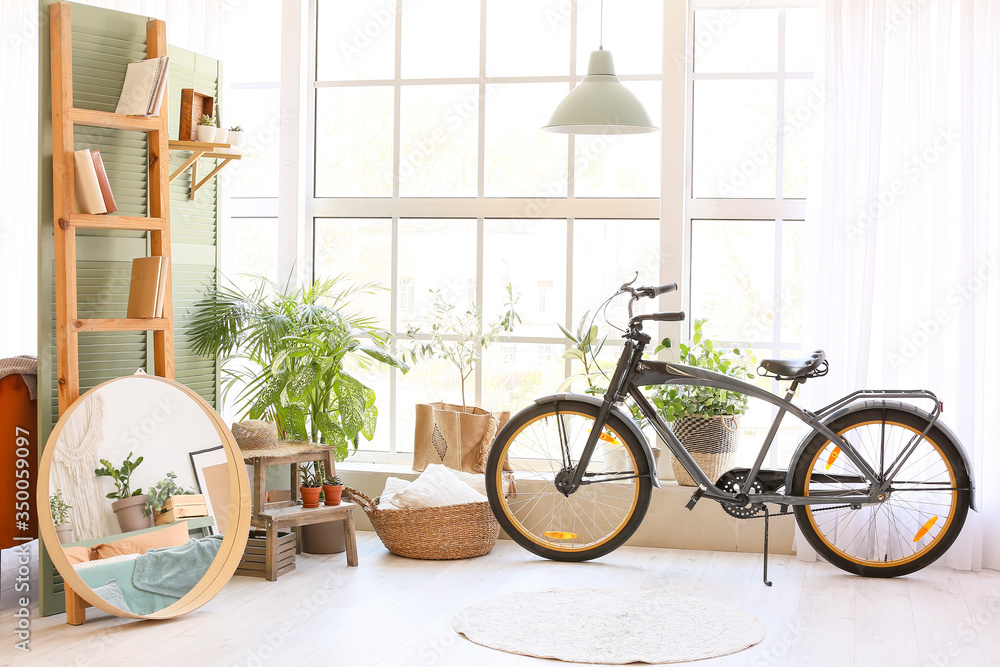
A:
803, 465
500, 446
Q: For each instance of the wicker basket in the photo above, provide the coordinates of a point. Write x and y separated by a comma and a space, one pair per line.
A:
432, 533
711, 441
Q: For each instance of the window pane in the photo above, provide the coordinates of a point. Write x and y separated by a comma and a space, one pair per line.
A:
735, 138
354, 142
801, 38
607, 253
250, 43
633, 32
621, 165
259, 113
732, 278
527, 37
514, 374
792, 249
355, 40
361, 250
802, 100
439, 140
440, 39
522, 160
530, 254
435, 255
250, 248
740, 40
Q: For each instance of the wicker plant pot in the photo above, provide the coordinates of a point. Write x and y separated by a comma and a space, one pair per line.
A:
711, 441
432, 533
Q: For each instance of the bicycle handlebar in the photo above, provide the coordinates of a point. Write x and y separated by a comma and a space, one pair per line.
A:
677, 316
655, 291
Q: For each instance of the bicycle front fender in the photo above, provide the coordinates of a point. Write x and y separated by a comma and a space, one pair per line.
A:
618, 412
895, 405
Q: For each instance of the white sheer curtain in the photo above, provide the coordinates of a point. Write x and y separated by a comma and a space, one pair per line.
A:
191, 24
904, 213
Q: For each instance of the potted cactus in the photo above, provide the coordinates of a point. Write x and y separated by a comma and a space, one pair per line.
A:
206, 129
311, 475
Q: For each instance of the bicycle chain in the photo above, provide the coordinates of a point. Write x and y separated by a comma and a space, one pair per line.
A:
822, 509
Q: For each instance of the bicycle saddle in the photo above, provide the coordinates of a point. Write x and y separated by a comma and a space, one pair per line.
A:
813, 365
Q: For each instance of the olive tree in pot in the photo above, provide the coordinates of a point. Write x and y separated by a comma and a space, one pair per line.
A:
705, 419
129, 505
458, 436
292, 354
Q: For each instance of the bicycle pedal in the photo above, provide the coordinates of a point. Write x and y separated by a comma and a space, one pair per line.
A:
695, 497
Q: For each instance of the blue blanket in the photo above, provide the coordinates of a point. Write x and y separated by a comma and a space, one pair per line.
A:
175, 570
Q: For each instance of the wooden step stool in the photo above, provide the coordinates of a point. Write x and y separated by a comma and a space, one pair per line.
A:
274, 521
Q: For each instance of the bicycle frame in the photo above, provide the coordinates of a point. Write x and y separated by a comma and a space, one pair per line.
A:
634, 372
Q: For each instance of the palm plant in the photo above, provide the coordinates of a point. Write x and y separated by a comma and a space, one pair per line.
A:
289, 350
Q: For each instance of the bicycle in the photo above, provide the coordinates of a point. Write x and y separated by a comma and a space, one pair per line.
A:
878, 487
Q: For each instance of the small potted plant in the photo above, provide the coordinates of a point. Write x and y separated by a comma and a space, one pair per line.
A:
206, 129
332, 488
312, 484
129, 505
236, 135
457, 337
163, 491
706, 419
60, 517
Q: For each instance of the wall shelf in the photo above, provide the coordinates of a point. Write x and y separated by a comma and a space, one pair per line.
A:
200, 149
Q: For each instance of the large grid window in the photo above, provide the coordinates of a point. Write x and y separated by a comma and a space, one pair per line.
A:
431, 172
752, 101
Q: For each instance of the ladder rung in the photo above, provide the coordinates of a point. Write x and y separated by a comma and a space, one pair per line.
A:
115, 121
116, 222
140, 324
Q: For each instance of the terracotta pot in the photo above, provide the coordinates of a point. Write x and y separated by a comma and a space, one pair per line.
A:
65, 533
310, 495
129, 513
331, 494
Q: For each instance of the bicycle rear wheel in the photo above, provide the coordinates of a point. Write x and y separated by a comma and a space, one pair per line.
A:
924, 509
528, 454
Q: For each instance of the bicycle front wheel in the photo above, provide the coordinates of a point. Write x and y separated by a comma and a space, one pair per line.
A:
924, 507
540, 443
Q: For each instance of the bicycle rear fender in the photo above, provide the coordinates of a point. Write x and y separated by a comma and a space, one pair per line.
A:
895, 405
618, 412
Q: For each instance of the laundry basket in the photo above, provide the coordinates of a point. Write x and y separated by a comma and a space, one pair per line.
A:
432, 533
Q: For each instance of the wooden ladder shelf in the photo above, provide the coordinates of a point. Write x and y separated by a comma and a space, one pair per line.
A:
64, 117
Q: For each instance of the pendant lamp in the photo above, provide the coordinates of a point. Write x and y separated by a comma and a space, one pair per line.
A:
600, 104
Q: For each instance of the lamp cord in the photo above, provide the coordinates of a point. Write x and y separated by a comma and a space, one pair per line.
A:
602, 26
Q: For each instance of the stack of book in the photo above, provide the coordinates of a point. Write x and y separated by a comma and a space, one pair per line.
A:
148, 287
93, 191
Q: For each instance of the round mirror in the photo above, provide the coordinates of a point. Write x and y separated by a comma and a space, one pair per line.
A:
144, 489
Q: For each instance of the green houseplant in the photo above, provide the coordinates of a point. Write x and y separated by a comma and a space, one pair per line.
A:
311, 476
129, 505
291, 351
458, 436
206, 128
706, 419
60, 517
162, 491
332, 490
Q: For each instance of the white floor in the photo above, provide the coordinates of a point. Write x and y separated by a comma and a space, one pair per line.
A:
394, 611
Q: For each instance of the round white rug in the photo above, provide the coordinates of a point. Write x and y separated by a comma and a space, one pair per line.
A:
608, 627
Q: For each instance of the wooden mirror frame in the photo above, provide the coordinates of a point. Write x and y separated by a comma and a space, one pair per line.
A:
233, 544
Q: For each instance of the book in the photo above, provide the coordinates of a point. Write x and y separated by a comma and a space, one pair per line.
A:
161, 285
87, 196
144, 287
144, 86
105, 184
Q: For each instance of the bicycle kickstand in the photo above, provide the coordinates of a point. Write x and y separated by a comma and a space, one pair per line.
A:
767, 519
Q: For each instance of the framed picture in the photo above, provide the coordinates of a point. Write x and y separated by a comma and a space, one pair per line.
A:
212, 476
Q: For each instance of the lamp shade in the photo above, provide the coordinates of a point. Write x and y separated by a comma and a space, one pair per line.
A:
600, 104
